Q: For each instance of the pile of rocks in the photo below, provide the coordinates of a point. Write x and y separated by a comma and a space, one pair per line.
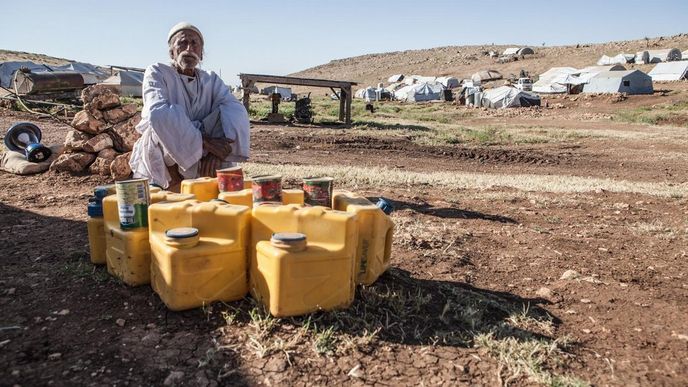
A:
103, 136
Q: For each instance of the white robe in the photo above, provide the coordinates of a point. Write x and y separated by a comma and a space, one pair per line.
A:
175, 110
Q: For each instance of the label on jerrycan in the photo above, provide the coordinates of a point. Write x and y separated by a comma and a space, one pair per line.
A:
133, 198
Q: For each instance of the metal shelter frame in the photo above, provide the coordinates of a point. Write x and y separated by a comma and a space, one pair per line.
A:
345, 95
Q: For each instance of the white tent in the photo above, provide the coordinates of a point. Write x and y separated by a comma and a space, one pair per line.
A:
420, 92
284, 92
684, 55
395, 78
126, 83
368, 93
518, 51
642, 57
587, 73
670, 71
485, 76
667, 55
507, 96
630, 82
448, 82
554, 80
413, 79
619, 59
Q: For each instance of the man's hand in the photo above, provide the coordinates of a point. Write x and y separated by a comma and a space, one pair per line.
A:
209, 165
219, 147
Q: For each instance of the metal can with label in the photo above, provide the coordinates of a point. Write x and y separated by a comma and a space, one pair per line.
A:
230, 179
267, 189
133, 198
318, 191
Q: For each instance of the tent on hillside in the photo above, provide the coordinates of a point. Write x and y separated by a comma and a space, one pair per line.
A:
421, 92
586, 73
395, 78
507, 96
126, 83
667, 55
670, 71
619, 59
642, 57
555, 80
284, 92
630, 82
90, 73
485, 76
413, 79
684, 55
448, 82
518, 51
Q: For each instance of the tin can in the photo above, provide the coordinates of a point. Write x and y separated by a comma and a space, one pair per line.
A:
267, 189
318, 191
230, 179
133, 198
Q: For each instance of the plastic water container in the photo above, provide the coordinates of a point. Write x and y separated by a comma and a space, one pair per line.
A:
291, 282
127, 252
245, 197
204, 188
96, 224
375, 231
198, 252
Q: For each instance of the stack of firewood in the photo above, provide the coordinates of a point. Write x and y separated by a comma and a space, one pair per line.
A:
102, 137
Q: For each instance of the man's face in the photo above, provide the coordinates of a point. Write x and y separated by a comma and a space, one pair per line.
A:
186, 50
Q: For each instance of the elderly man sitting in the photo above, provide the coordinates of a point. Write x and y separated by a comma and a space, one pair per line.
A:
191, 124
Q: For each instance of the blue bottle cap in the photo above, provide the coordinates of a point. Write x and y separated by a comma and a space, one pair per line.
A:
181, 232
95, 208
385, 206
100, 193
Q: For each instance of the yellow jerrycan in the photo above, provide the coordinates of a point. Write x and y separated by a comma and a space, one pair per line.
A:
128, 251
199, 252
204, 188
96, 223
375, 229
309, 268
245, 197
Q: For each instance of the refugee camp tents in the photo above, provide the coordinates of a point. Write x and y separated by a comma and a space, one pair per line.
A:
630, 82
555, 80
420, 92
485, 76
284, 92
448, 82
368, 93
670, 71
126, 83
586, 73
518, 51
395, 78
667, 55
507, 96
619, 59
413, 79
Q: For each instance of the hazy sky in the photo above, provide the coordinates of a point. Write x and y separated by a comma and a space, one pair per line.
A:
280, 37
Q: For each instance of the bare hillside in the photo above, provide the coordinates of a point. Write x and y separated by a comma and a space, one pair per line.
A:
7, 55
462, 61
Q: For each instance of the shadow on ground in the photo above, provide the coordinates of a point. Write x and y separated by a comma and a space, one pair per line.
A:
446, 212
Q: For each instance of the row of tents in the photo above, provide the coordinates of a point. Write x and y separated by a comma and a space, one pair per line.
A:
644, 57
127, 82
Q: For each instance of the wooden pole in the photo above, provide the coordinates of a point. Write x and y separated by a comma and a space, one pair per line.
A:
342, 104
246, 90
348, 106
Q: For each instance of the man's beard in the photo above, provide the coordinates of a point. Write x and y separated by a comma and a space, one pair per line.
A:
183, 63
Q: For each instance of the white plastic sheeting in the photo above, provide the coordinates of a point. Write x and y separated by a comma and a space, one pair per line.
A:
448, 82
642, 57
552, 80
669, 71
667, 55
284, 92
421, 92
485, 76
126, 83
630, 82
619, 59
507, 96
90, 72
395, 78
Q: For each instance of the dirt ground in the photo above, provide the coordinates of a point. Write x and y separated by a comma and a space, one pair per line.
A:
465, 262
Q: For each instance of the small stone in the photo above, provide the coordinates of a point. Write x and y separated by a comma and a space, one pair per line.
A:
98, 143
569, 275
11, 291
54, 356
124, 134
85, 122
544, 293
63, 312
586, 331
16, 373
75, 140
106, 100
72, 162
585, 301
120, 322
571, 311
174, 378
119, 168
356, 372
119, 114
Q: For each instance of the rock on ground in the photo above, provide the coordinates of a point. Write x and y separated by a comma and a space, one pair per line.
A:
72, 162
119, 114
98, 143
124, 134
85, 122
75, 140
119, 168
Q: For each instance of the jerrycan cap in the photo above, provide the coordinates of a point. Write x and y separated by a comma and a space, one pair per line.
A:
101, 192
219, 201
95, 207
291, 241
385, 206
182, 237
